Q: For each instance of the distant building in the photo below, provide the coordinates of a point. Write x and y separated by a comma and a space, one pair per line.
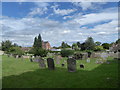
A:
46, 45
26, 49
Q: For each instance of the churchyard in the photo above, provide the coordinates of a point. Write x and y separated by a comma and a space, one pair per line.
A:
55, 71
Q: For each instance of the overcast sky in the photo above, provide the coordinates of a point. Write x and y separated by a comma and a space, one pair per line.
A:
60, 21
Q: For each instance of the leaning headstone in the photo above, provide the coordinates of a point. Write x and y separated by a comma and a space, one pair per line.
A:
88, 60
71, 64
50, 63
42, 63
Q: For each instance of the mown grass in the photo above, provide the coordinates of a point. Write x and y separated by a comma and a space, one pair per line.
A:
21, 73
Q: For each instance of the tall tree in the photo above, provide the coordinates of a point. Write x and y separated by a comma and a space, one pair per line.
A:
78, 44
89, 44
35, 42
39, 41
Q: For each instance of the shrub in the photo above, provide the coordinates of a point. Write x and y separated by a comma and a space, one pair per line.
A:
39, 52
66, 53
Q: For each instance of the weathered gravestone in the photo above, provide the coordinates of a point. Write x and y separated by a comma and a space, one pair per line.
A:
50, 63
88, 60
57, 59
42, 63
85, 56
71, 64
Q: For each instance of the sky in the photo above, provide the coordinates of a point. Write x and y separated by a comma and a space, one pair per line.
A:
59, 21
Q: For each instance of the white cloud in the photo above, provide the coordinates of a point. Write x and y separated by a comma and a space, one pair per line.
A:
39, 9
64, 11
88, 5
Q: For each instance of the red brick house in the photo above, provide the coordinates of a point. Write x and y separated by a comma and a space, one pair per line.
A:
46, 45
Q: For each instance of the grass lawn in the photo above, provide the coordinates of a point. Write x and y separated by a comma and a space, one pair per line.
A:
18, 73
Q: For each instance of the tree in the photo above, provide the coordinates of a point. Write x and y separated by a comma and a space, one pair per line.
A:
65, 45
106, 45
16, 51
37, 49
89, 44
118, 41
66, 53
39, 52
6, 45
99, 48
78, 44
83, 46
37, 42
97, 43
74, 46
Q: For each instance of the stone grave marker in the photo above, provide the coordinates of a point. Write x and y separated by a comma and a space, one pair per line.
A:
71, 64
88, 60
41, 63
50, 63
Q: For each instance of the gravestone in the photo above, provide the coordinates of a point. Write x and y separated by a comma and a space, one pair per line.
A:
71, 64
88, 60
50, 63
57, 59
42, 63
85, 56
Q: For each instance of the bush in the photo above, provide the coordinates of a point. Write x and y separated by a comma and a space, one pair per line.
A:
39, 52
16, 51
99, 48
66, 53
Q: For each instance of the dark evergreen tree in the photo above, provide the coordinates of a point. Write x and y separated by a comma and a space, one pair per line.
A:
39, 41
78, 44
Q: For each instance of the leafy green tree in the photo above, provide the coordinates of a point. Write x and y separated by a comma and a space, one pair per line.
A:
16, 51
99, 48
83, 46
66, 53
6, 45
89, 44
106, 45
74, 46
39, 52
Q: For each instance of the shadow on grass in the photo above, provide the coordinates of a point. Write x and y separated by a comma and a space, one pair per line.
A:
104, 76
